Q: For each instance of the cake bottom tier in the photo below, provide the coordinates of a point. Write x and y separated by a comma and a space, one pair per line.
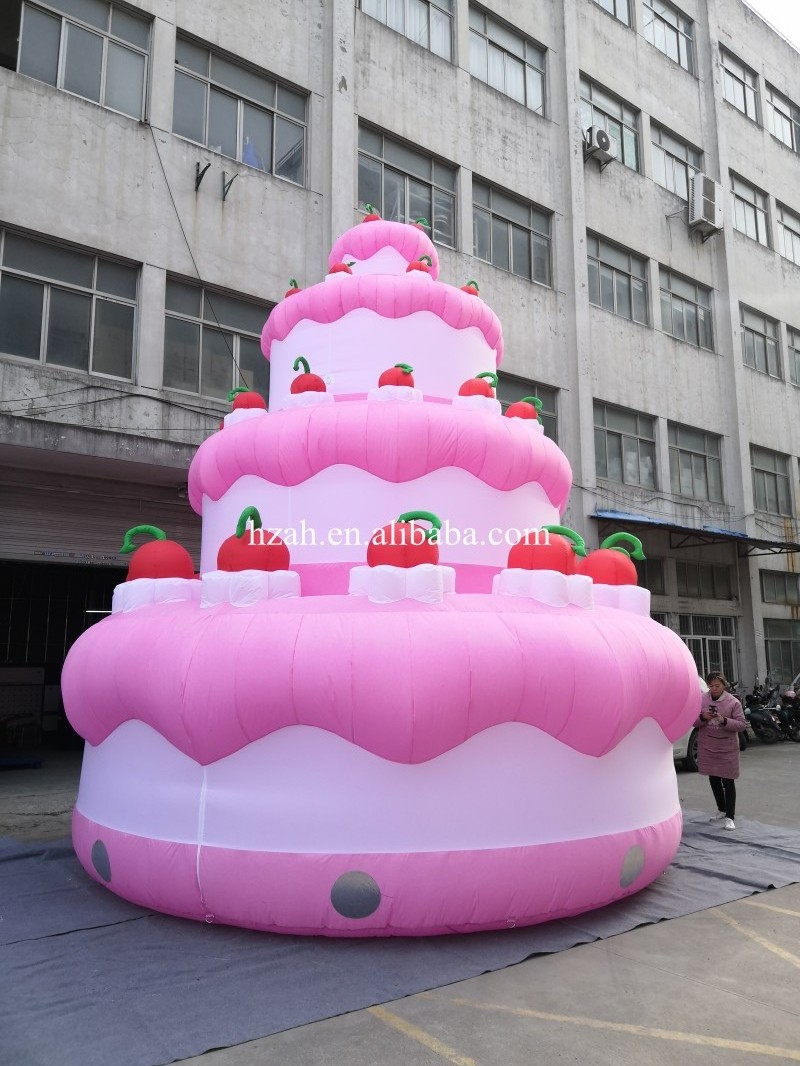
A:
376, 894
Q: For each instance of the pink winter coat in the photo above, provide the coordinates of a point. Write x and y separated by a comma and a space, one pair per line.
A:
718, 745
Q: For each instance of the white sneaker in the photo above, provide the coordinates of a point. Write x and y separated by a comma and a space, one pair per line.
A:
717, 817
729, 824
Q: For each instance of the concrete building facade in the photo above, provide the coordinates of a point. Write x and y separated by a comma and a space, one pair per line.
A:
166, 166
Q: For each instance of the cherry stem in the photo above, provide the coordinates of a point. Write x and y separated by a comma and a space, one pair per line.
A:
293, 283
425, 259
422, 222
404, 367
152, 531
235, 392
537, 403
249, 514
300, 361
423, 516
369, 209
473, 283
613, 542
578, 543
490, 377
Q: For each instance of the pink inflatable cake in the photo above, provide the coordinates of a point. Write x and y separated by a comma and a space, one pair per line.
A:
400, 699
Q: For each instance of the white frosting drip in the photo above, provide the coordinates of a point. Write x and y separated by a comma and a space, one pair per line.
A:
241, 588
388, 584
545, 586
145, 591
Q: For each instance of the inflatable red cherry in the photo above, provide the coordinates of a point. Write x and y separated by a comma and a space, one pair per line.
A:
399, 374
372, 215
158, 557
424, 264
293, 287
246, 400
405, 543
305, 382
527, 407
471, 287
254, 548
557, 551
420, 223
611, 564
481, 385
341, 268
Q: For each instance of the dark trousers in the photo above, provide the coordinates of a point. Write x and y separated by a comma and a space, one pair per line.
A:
724, 789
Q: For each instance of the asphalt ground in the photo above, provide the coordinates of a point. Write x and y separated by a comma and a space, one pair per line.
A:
722, 985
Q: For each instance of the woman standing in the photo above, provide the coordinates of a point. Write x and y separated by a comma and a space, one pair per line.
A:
720, 722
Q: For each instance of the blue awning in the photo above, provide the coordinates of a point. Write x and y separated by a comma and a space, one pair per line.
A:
683, 536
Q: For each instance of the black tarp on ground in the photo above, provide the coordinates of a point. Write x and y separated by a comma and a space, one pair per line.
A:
88, 979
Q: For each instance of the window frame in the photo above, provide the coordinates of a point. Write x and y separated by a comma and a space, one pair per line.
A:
680, 33
754, 207
527, 44
785, 633
691, 576
678, 450
96, 295
780, 577
789, 114
642, 444
670, 161
615, 4
793, 354
445, 7
667, 293
495, 214
746, 78
395, 168
216, 326
611, 250
627, 119
107, 36
242, 100
785, 245
760, 476
749, 323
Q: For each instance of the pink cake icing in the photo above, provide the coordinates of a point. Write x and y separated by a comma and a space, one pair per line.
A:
371, 751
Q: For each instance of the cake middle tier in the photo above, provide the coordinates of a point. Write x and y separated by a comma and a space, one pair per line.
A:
325, 478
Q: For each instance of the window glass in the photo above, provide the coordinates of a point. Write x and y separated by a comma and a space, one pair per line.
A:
116, 279
113, 339
191, 56
68, 335
83, 62
39, 46
130, 28
20, 317
289, 157
124, 80
257, 132
242, 80
181, 344
95, 12
223, 117
216, 363
185, 299
47, 260
189, 107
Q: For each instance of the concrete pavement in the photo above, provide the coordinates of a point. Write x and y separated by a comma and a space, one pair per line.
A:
720, 985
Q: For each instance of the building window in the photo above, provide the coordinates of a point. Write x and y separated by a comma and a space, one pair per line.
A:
511, 234
618, 8
779, 586
793, 345
239, 112
403, 183
698, 581
788, 234
624, 446
91, 48
670, 31
712, 642
675, 163
739, 85
617, 280
771, 482
750, 211
510, 389
651, 576
212, 341
686, 310
694, 463
618, 119
506, 60
783, 119
66, 307
782, 643
426, 22
760, 343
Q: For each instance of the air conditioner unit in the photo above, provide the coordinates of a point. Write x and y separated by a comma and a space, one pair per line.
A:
705, 204
600, 145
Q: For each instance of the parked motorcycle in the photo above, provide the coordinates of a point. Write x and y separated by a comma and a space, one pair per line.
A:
760, 711
788, 713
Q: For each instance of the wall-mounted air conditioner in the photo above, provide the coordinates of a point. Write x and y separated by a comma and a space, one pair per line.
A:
599, 145
705, 204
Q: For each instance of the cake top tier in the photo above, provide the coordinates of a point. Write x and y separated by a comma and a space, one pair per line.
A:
382, 247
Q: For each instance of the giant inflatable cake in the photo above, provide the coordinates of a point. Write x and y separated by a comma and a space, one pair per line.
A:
349, 724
